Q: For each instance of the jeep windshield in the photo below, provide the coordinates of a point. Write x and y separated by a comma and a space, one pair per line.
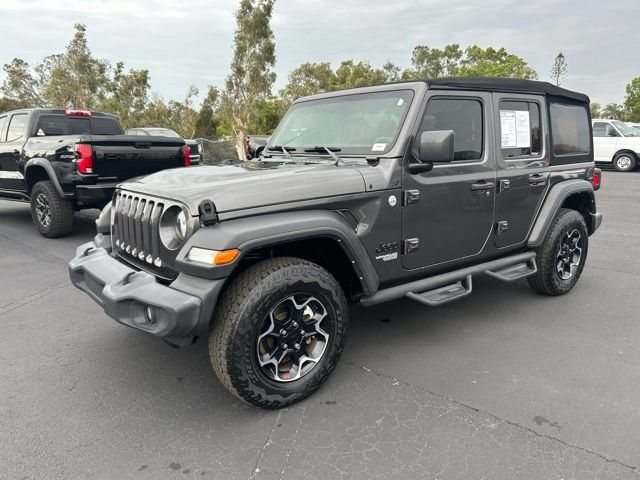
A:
357, 124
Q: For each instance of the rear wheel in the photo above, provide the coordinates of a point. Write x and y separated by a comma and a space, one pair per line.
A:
562, 255
624, 162
278, 331
51, 214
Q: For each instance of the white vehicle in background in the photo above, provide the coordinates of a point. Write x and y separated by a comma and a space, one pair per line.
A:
616, 143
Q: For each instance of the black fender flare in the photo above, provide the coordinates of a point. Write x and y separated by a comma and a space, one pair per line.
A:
44, 163
250, 233
556, 196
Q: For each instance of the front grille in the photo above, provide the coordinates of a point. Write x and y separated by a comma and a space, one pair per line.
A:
135, 232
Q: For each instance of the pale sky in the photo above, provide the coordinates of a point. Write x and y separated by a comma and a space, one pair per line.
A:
190, 42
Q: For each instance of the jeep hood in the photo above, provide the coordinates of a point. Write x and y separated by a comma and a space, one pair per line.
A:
249, 184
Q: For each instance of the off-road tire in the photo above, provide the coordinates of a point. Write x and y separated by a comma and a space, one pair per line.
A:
546, 280
237, 319
628, 165
60, 211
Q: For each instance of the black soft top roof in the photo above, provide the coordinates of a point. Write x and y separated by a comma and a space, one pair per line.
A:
511, 85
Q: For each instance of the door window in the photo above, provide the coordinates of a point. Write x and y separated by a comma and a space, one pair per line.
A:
603, 129
16, 127
464, 117
520, 129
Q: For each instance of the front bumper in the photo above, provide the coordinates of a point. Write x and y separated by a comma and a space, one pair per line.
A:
136, 299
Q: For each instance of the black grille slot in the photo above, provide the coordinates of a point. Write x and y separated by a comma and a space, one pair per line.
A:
135, 233
349, 217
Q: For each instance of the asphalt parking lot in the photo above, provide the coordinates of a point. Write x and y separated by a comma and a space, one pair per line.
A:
505, 384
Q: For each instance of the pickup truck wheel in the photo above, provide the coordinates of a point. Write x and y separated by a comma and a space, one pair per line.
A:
52, 215
278, 331
624, 162
562, 256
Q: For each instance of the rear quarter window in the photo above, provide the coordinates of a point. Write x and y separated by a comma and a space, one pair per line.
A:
570, 130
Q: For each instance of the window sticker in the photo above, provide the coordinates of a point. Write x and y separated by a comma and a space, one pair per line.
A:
515, 128
400, 101
40, 133
379, 147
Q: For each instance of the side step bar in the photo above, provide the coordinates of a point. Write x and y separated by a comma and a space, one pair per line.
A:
14, 195
446, 287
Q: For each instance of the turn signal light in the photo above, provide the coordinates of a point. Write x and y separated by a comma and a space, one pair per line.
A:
597, 179
213, 257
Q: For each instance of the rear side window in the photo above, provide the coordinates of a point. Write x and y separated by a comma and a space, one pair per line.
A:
16, 127
464, 117
520, 129
603, 129
570, 130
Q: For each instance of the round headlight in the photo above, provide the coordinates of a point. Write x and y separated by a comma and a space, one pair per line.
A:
181, 224
173, 227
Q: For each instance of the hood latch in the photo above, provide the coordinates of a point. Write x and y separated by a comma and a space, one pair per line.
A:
207, 211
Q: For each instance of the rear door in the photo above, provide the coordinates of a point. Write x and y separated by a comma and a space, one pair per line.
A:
605, 141
522, 164
10, 148
447, 213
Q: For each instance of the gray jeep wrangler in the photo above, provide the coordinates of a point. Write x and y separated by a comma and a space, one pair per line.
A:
361, 196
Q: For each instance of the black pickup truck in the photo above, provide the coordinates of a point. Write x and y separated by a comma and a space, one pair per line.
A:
67, 160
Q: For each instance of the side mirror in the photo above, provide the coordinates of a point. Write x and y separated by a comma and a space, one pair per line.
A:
436, 146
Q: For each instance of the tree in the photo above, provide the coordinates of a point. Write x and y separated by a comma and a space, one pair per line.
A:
478, 62
434, 62
475, 61
252, 75
632, 100
314, 78
559, 69
596, 110
8, 104
206, 124
613, 111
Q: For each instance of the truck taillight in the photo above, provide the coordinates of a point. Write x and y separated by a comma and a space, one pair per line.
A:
84, 162
186, 155
77, 113
594, 175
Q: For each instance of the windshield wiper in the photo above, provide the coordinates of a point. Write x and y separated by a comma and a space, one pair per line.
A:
329, 150
285, 150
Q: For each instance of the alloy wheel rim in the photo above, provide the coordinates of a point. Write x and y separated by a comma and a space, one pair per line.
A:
43, 210
569, 254
624, 162
293, 338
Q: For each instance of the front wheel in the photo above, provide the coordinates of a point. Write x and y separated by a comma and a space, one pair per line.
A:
562, 255
624, 162
278, 331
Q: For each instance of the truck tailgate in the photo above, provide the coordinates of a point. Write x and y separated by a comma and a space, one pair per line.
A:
120, 157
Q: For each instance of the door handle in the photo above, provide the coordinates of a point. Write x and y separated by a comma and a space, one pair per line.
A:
482, 186
537, 179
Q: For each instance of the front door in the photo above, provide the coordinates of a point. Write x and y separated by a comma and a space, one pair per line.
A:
522, 164
447, 212
605, 141
10, 146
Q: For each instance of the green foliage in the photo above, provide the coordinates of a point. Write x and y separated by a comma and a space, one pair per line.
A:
475, 61
314, 78
596, 110
206, 122
252, 75
8, 104
632, 100
613, 111
559, 69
